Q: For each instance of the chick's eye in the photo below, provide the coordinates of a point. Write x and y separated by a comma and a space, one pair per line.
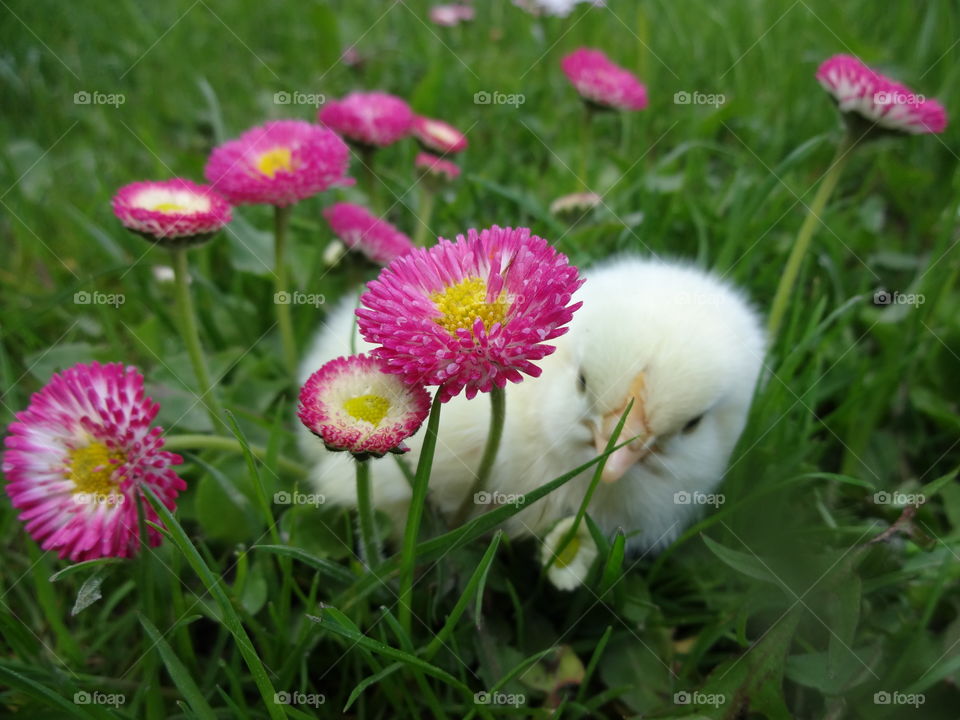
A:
692, 424
582, 382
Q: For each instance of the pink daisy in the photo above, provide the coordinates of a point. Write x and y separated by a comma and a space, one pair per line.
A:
368, 118
78, 456
278, 163
352, 404
602, 82
451, 15
436, 167
438, 136
879, 99
361, 230
470, 314
176, 212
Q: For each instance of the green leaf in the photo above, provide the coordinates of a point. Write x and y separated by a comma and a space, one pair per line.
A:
178, 672
370, 680
473, 588
326, 568
745, 563
172, 530
754, 680
613, 567
339, 624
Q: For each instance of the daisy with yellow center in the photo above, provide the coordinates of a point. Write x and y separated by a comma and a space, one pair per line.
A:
278, 163
470, 315
174, 213
78, 457
352, 405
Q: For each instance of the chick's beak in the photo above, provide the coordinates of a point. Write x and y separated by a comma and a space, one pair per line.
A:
635, 426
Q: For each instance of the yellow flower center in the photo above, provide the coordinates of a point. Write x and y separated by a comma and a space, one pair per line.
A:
461, 304
168, 207
91, 469
273, 160
371, 408
569, 552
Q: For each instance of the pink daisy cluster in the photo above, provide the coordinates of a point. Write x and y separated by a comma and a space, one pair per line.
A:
78, 457
177, 211
602, 82
278, 163
470, 314
436, 167
361, 230
368, 118
353, 405
861, 90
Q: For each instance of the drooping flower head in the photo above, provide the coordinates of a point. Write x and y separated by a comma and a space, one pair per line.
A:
278, 163
571, 563
78, 457
470, 314
451, 15
575, 204
172, 212
602, 82
435, 167
438, 136
863, 92
368, 118
361, 230
352, 404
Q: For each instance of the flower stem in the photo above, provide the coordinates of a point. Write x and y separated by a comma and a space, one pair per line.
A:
586, 123
428, 199
802, 244
421, 482
217, 442
369, 177
368, 529
498, 412
284, 319
191, 338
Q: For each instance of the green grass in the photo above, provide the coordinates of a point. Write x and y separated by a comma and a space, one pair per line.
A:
775, 601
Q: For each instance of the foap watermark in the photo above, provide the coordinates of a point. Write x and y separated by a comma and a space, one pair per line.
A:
485, 97
899, 499
86, 97
898, 98
82, 697
886, 297
282, 97
683, 97
282, 497
499, 698
682, 497
298, 298
87, 498
98, 298
696, 697
299, 698
496, 497
885, 697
